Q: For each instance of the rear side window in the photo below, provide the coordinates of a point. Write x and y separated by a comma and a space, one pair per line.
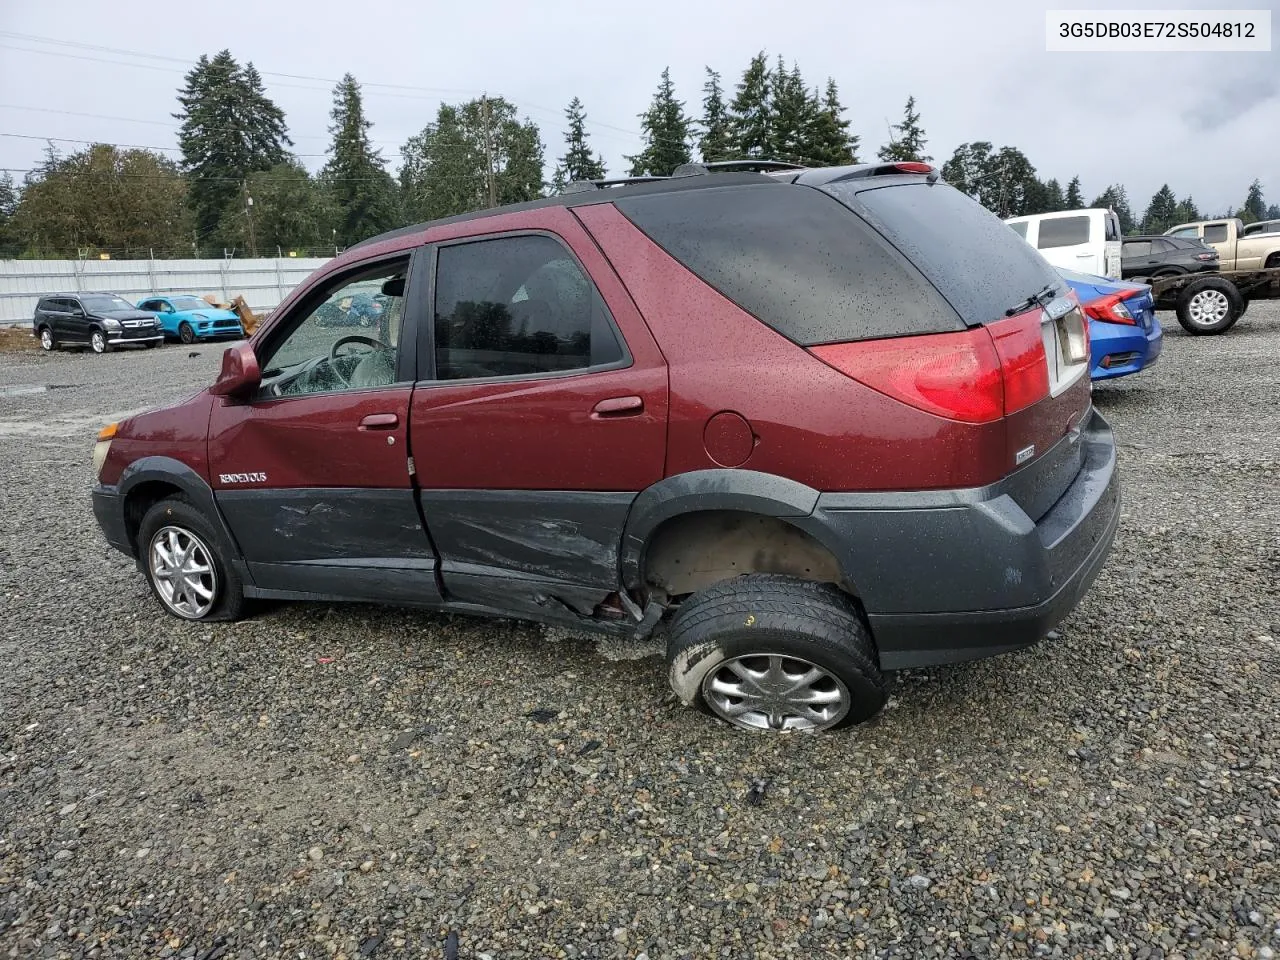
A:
518, 306
967, 252
1063, 232
1215, 233
796, 260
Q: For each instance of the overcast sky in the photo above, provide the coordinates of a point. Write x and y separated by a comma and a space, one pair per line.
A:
1207, 124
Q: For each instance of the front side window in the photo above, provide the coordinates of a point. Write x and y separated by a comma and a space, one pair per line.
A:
1137, 248
1063, 232
348, 341
1215, 233
518, 306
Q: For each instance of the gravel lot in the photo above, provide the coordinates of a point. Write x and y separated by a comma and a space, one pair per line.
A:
350, 781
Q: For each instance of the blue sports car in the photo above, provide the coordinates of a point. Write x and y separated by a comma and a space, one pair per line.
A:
187, 318
1124, 334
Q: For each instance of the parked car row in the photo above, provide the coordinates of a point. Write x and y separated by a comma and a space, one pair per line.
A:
103, 321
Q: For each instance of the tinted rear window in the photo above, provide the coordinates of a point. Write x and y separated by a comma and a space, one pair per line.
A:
970, 254
1215, 233
797, 260
1063, 232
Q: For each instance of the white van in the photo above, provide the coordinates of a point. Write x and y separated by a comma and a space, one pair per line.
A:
1084, 240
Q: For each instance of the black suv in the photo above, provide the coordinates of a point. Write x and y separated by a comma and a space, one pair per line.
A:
1154, 257
99, 321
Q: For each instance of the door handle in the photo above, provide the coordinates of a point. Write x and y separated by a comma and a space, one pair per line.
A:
617, 407
380, 421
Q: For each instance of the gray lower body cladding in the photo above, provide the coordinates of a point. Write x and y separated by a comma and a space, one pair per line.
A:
955, 575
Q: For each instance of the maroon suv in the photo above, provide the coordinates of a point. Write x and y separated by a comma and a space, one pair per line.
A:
809, 426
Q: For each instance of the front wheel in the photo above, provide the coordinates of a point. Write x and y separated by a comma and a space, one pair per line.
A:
774, 653
47, 339
185, 333
98, 341
1209, 305
184, 566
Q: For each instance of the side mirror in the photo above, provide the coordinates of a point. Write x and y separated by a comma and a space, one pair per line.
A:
240, 374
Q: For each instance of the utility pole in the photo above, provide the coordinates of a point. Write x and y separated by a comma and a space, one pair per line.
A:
248, 214
488, 150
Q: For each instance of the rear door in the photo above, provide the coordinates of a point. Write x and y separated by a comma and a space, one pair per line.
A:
541, 413
1136, 258
312, 474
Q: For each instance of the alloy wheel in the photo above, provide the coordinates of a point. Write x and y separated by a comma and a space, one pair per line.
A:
775, 692
98, 341
183, 572
46, 338
1208, 307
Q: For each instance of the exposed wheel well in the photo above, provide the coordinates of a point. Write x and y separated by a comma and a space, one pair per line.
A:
1273, 260
141, 499
694, 550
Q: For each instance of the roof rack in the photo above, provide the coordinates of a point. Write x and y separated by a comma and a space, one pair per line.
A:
684, 170
584, 186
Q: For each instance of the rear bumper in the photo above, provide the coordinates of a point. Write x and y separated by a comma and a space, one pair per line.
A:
1124, 349
947, 576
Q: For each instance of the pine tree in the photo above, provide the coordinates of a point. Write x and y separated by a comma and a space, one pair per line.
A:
230, 128
8, 207
715, 140
793, 113
1187, 211
577, 163
1273, 212
1162, 211
751, 113
361, 191
1053, 198
829, 142
1115, 198
667, 133
968, 168
1255, 208
1075, 200
289, 212
909, 141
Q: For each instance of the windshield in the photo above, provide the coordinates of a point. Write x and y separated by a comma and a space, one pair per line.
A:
981, 266
189, 303
105, 301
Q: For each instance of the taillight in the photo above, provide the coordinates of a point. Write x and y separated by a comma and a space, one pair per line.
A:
1020, 346
977, 376
1206, 256
1110, 309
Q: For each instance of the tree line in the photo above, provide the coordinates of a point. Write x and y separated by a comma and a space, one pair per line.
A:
237, 187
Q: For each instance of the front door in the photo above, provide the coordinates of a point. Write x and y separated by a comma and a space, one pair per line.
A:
75, 322
312, 474
541, 415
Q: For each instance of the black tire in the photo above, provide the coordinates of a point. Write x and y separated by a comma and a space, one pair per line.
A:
48, 340
98, 341
1244, 306
1215, 290
1273, 261
228, 602
185, 333
743, 621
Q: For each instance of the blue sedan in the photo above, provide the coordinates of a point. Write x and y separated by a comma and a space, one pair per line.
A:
1124, 334
189, 318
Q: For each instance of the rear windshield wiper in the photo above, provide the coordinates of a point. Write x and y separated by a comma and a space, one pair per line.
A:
1035, 300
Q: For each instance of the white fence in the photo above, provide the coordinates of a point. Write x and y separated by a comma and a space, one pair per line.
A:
263, 283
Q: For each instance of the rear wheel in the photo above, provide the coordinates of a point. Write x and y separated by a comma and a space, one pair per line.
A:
47, 339
98, 341
775, 653
185, 333
1209, 305
184, 566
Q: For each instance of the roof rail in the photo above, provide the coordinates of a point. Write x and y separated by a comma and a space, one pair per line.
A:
585, 186
757, 164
